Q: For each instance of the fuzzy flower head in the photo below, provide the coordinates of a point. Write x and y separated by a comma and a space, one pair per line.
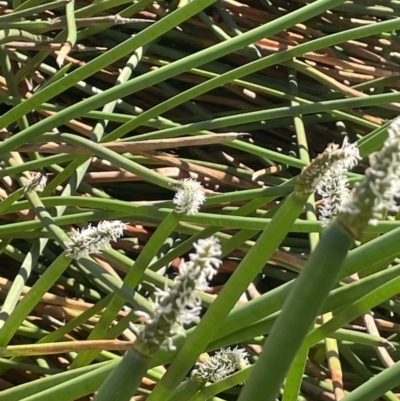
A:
332, 160
189, 196
221, 365
333, 185
179, 305
37, 183
94, 239
376, 194
334, 189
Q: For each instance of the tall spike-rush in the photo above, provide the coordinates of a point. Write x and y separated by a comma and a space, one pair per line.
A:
374, 194
266, 244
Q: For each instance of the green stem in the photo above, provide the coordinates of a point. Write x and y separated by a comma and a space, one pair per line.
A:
186, 390
51, 384
32, 298
308, 293
33, 10
124, 380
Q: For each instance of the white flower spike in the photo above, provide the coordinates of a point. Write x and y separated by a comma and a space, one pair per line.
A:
333, 159
377, 193
333, 186
94, 239
37, 183
189, 196
179, 305
222, 364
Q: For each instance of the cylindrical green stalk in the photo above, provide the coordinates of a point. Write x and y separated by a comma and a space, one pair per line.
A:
118, 385
186, 390
374, 194
50, 383
306, 298
25, 306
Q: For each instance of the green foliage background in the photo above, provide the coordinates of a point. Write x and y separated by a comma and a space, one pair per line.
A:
82, 82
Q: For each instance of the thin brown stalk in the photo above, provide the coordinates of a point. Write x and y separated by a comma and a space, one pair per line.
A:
132, 146
372, 329
212, 174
